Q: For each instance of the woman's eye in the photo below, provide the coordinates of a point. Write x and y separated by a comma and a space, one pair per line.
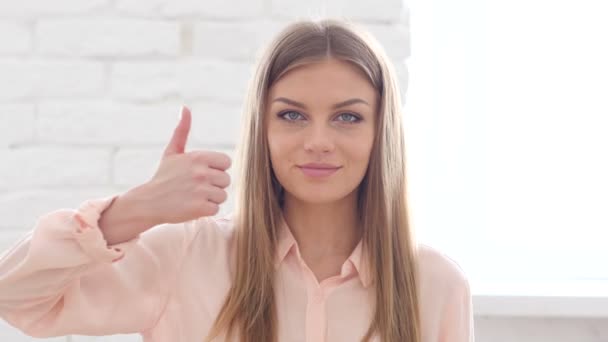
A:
290, 116
296, 116
350, 118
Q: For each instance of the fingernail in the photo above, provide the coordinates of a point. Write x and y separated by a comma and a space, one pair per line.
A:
181, 113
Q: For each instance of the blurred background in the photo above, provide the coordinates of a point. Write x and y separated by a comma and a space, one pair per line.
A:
504, 108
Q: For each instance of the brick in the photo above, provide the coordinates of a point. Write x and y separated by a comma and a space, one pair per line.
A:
395, 39
108, 37
381, 10
102, 122
133, 166
54, 166
16, 124
20, 209
215, 124
34, 8
213, 9
29, 79
293, 9
233, 40
16, 38
191, 80
95, 122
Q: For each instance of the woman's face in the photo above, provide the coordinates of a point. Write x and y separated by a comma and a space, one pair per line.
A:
321, 114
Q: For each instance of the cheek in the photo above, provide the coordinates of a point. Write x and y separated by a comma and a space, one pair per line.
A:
361, 160
278, 146
359, 149
275, 152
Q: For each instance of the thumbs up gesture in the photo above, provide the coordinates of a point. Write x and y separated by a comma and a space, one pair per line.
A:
188, 185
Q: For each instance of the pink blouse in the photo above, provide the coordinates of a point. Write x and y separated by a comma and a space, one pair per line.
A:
168, 284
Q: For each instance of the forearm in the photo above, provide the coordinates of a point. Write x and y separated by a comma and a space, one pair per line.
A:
129, 215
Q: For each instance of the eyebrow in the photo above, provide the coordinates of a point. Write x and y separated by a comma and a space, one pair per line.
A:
335, 106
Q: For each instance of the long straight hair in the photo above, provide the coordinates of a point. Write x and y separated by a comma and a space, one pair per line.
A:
388, 240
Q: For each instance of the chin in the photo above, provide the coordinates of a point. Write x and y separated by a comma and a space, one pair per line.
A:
312, 199
312, 195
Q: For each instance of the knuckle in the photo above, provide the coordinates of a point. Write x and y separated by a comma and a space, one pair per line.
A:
224, 195
227, 160
228, 179
201, 201
201, 175
193, 157
213, 208
199, 157
202, 192
221, 158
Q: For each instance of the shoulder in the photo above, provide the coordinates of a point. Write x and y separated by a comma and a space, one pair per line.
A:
214, 232
439, 272
446, 306
436, 263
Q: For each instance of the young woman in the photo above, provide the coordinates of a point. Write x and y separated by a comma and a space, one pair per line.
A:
319, 247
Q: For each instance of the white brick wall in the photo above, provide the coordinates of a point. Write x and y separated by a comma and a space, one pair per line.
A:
210, 9
107, 37
16, 123
190, 79
48, 166
29, 79
211, 37
90, 91
35, 9
15, 37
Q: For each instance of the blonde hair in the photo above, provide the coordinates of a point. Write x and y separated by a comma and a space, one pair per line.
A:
249, 308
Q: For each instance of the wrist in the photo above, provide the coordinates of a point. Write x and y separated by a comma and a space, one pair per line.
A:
129, 215
140, 203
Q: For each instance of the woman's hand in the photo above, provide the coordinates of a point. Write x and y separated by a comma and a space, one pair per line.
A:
186, 186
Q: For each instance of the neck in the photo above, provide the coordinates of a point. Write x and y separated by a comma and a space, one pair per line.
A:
323, 230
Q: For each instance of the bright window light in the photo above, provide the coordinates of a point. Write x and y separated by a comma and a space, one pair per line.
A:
507, 120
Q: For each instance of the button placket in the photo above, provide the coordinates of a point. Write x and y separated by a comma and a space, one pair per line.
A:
316, 316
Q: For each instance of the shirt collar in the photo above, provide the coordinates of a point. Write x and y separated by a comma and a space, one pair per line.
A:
286, 242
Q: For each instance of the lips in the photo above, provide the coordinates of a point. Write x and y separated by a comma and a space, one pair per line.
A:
318, 169
319, 166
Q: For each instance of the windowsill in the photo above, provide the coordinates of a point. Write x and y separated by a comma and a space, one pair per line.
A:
578, 299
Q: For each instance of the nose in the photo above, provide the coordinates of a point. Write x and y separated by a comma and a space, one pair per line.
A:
319, 140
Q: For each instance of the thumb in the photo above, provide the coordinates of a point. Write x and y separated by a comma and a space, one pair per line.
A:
178, 141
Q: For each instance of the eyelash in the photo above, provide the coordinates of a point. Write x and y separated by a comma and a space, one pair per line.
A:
282, 116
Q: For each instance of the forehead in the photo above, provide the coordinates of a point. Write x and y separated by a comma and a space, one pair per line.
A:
328, 78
